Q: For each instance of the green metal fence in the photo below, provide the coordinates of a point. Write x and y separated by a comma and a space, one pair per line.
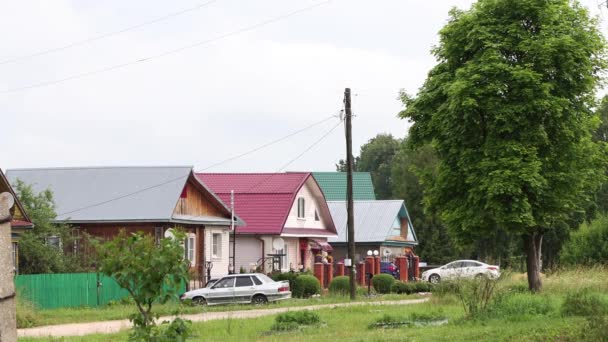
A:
60, 290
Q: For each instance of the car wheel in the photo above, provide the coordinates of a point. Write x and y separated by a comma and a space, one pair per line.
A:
259, 300
480, 276
434, 279
199, 301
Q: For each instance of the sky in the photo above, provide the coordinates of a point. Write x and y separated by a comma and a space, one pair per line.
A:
122, 100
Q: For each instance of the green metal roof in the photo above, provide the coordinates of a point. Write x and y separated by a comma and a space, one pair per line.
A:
333, 185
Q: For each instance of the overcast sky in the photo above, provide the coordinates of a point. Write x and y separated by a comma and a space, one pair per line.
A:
214, 101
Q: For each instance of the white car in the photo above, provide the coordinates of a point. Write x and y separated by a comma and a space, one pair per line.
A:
461, 269
253, 288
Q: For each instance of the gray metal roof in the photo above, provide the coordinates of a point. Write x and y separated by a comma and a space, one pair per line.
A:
109, 193
373, 219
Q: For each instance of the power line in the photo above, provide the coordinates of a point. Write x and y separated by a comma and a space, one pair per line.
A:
168, 52
296, 158
268, 144
208, 167
106, 35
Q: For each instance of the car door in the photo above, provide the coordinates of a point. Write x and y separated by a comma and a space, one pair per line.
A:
451, 270
474, 268
243, 289
222, 292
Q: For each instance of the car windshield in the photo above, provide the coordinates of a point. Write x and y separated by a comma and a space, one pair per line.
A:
264, 278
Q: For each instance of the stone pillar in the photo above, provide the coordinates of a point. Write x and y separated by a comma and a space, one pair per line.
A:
370, 266
318, 272
417, 267
377, 265
361, 273
8, 314
329, 274
402, 264
339, 269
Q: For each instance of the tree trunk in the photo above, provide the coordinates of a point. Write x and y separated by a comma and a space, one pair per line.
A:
532, 244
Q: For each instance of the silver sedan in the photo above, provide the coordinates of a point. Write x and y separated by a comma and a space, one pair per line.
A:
253, 288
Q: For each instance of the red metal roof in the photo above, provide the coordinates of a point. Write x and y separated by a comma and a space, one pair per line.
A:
20, 223
262, 200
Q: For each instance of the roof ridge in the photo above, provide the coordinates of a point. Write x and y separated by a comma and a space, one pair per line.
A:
101, 167
373, 201
251, 173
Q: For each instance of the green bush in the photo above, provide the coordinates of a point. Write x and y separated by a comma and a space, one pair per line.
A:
589, 244
294, 320
382, 283
340, 285
400, 287
422, 286
305, 286
584, 303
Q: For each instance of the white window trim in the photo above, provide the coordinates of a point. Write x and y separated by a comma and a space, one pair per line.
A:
303, 208
217, 255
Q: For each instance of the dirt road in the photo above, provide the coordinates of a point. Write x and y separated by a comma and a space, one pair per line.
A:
80, 329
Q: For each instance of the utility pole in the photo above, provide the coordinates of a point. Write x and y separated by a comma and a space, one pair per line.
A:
349, 193
233, 231
8, 314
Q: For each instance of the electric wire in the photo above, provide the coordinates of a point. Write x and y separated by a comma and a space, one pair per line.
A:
165, 53
105, 35
206, 168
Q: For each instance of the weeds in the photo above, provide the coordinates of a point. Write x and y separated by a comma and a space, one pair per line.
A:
295, 320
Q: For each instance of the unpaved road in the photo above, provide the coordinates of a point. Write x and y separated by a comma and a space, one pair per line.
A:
80, 329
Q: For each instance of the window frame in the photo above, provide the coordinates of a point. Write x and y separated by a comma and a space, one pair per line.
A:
301, 208
216, 245
243, 277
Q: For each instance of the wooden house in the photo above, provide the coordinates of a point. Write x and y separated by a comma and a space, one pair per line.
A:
101, 201
20, 222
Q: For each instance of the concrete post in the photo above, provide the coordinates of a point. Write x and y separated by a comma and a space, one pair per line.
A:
319, 270
339, 269
8, 315
402, 264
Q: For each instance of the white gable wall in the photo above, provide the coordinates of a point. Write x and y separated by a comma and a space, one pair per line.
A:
311, 204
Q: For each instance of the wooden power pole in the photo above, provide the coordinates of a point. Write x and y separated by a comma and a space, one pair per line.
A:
349, 194
8, 314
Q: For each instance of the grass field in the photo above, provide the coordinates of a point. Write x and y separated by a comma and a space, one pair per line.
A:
513, 315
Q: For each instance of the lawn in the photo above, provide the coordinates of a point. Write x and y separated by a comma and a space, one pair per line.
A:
29, 316
513, 315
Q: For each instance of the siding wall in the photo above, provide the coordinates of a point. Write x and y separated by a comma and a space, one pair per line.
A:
220, 264
248, 252
311, 204
196, 204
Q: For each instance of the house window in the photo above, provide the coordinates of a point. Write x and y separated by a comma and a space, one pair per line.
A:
158, 234
316, 215
53, 241
284, 258
216, 248
301, 208
15, 259
189, 249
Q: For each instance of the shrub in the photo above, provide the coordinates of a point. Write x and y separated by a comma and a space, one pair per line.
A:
382, 283
422, 286
340, 285
295, 319
401, 287
290, 276
584, 303
305, 286
474, 294
589, 244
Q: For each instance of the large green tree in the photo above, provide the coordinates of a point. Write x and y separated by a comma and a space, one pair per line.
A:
508, 109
